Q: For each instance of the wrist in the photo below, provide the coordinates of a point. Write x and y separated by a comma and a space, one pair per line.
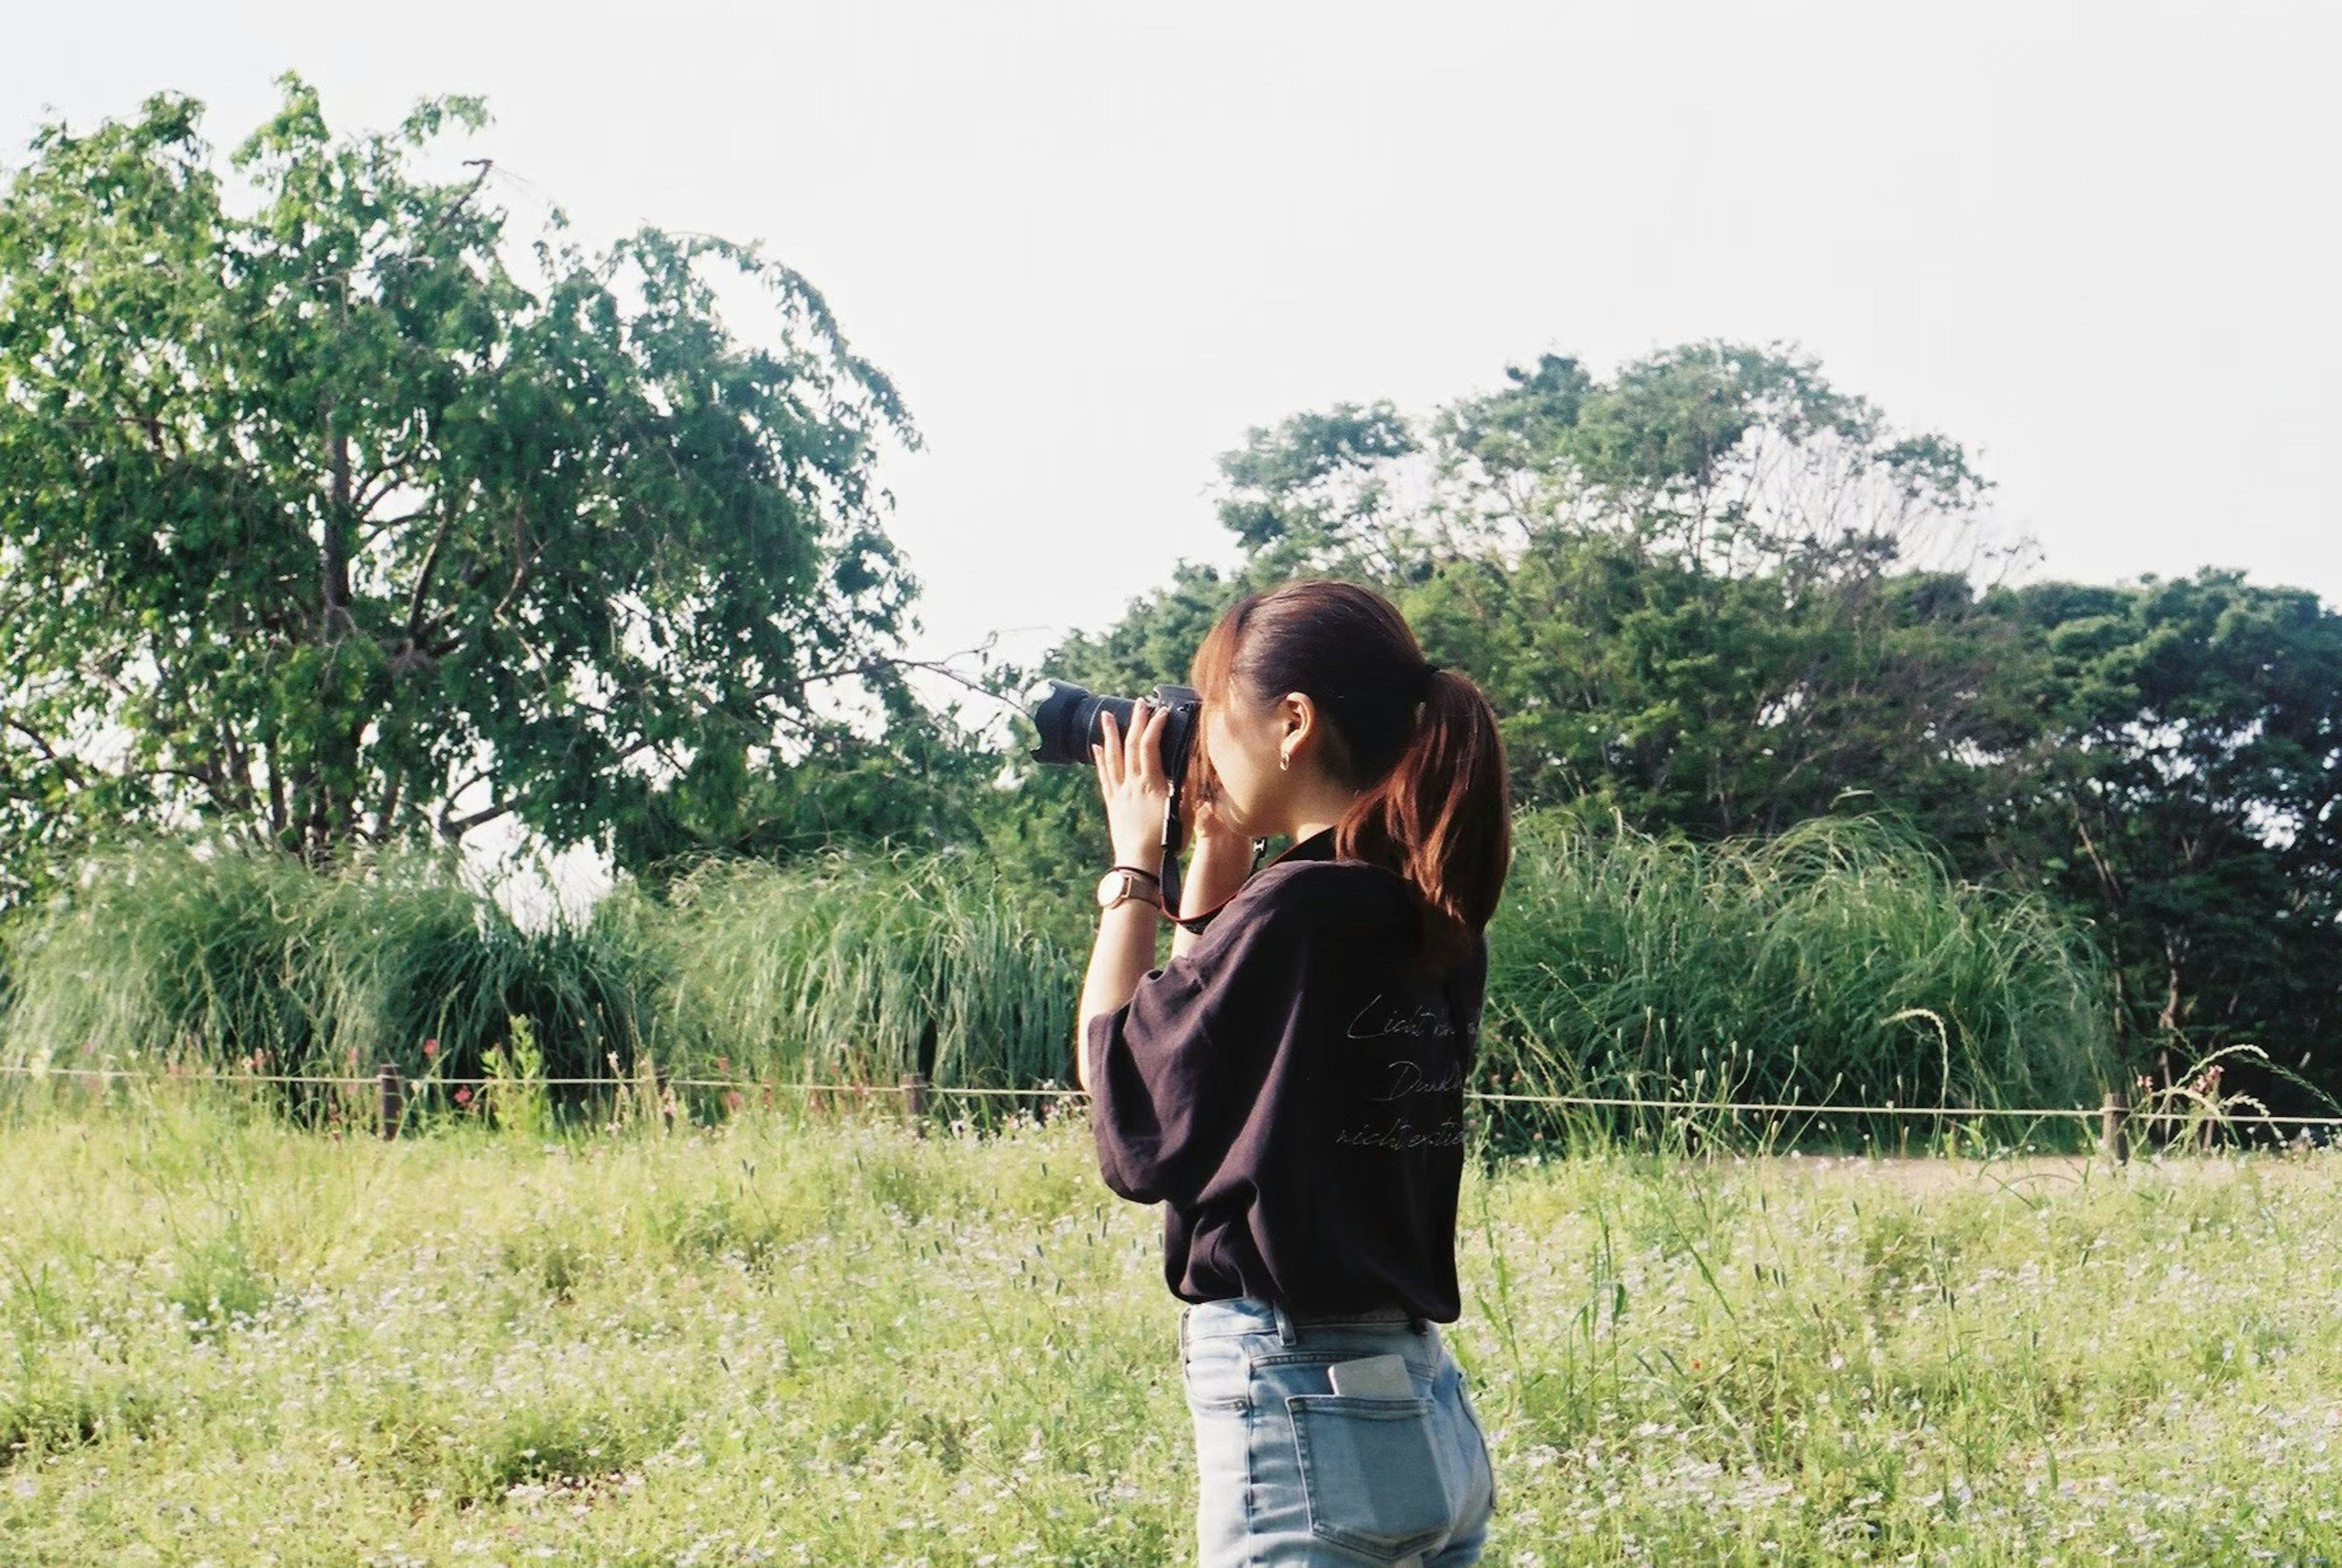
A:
1148, 859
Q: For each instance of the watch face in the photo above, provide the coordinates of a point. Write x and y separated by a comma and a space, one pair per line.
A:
1116, 886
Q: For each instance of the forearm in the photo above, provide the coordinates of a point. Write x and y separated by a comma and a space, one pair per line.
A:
1219, 872
1119, 958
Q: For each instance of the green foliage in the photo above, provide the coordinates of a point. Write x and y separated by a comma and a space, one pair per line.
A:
854, 969
843, 968
2185, 786
325, 521
1727, 456
924, 784
219, 957
1306, 488
1838, 962
514, 1092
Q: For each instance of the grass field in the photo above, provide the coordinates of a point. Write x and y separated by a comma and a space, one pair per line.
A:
786, 1341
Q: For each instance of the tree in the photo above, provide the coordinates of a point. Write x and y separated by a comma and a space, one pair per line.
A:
2184, 789
1686, 587
325, 518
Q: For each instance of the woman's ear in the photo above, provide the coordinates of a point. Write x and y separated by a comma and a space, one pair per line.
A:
1297, 723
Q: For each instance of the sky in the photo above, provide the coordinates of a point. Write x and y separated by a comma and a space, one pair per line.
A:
1094, 244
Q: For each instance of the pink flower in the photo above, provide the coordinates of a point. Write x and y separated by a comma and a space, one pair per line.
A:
462, 1097
732, 1100
430, 1048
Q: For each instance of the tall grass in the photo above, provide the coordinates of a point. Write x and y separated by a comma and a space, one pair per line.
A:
856, 969
1839, 962
169, 953
852, 969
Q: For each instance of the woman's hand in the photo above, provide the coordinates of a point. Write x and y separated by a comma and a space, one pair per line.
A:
1133, 786
1222, 860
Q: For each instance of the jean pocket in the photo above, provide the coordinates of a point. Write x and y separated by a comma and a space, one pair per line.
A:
1370, 1473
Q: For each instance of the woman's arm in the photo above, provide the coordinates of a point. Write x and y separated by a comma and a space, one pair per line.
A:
1136, 793
1123, 954
1124, 949
1221, 863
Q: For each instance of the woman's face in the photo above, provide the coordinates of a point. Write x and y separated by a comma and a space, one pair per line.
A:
1243, 739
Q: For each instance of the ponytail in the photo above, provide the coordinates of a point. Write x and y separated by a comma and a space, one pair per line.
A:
1442, 818
1422, 742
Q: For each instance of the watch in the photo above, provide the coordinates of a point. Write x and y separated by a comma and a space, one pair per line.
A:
1122, 884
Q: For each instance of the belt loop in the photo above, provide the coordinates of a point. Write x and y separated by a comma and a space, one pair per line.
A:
1420, 1325
1286, 1331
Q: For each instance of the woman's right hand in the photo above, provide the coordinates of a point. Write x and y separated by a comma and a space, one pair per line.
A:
1222, 860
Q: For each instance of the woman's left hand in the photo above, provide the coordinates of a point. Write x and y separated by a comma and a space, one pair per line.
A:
1133, 786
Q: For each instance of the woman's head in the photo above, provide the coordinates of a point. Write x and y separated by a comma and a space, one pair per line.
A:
1319, 705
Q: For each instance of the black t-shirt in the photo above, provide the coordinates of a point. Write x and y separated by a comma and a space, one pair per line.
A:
1294, 1098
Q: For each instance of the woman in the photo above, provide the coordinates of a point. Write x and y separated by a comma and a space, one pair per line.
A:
1289, 1085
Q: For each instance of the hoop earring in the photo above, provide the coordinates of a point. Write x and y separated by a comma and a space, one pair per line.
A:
1283, 761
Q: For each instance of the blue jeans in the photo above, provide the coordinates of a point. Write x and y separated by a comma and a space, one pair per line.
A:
1290, 1474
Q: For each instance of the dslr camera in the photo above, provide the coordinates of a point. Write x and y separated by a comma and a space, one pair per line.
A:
1068, 718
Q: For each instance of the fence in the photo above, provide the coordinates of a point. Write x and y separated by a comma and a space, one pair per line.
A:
2117, 1120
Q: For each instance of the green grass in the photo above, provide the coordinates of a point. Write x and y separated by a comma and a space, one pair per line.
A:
845, 968
853, 969
220, 958
1839, 962
224, 1340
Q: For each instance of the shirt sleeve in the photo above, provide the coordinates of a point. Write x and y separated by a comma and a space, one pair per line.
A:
1175, 1070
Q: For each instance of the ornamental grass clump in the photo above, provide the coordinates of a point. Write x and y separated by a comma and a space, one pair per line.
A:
854, 969
1839, 962
220, 959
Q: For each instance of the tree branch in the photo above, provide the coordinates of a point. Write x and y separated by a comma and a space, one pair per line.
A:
422, 578
56, 759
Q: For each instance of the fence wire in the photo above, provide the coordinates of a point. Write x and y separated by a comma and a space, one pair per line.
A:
922, 1088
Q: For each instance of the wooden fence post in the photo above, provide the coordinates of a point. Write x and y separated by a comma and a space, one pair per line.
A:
914, 1101
2113, 1135
394, 1100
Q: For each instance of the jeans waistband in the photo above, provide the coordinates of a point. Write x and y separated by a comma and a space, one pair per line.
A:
1251, 1314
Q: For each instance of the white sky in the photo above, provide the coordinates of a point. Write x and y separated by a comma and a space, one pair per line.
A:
1093, 242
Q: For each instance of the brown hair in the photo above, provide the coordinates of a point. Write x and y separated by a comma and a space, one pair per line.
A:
1421, 742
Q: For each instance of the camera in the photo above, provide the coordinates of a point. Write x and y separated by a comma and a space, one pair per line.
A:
1068, 718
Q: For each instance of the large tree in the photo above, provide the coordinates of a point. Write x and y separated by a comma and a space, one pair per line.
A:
331, 515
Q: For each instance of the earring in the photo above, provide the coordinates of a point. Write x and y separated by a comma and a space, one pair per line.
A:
1283, 761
